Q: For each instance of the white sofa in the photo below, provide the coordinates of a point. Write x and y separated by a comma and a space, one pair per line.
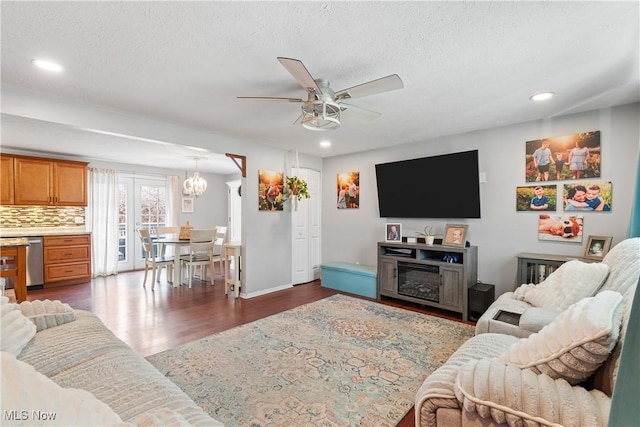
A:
563, 374
75, 371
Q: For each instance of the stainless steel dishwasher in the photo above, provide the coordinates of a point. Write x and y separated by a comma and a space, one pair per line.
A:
35, 262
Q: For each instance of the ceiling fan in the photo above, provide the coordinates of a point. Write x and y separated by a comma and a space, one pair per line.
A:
322, 108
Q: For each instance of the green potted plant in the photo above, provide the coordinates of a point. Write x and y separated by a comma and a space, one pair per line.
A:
296, 187
428, 234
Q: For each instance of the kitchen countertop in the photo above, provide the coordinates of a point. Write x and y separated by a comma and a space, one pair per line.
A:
42, 231
15, 241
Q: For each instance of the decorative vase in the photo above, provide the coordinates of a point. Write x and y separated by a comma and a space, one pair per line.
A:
429, 240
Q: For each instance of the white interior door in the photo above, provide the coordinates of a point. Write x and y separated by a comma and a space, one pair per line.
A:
306, 230
142, 204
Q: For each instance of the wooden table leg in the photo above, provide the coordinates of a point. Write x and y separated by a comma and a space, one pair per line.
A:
20, 285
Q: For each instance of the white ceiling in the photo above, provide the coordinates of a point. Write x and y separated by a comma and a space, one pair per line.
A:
156, 82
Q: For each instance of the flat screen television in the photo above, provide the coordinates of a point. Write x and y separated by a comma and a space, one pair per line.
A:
444, 186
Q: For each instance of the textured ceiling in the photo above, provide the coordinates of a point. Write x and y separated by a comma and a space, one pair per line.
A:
162, 78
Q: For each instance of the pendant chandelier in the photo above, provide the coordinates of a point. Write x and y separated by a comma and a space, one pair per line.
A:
194, 185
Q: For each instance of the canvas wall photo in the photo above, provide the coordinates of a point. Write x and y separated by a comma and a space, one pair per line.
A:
348, 190
590, 196
560, 228
563, 158
270, 185
536, 198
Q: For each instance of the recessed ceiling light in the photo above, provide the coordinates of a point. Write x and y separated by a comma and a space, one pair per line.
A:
325, 144
542, 96
47, 65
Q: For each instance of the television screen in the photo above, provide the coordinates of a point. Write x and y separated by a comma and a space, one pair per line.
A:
445, 186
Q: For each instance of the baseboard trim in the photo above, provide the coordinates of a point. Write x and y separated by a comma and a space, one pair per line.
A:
264, 292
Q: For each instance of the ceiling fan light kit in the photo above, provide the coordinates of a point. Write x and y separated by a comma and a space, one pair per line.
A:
320, 115
321, 111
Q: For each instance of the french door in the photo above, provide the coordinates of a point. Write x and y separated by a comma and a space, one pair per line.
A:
142, 203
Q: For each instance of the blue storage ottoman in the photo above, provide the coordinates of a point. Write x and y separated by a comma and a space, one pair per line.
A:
349, 277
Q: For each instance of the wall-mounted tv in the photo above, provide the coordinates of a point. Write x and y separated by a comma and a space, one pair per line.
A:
445, 186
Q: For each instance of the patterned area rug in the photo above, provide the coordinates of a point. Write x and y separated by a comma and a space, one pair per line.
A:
335, 362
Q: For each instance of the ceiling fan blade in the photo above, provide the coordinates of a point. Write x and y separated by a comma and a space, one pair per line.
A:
299, 119
301, 74
383, 84
270, 98
358, 112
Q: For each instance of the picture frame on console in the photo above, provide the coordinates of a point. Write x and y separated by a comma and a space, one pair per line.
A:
455, 235
393, 232
597, 247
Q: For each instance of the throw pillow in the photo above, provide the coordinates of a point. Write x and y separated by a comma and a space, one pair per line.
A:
576, 343
16, 330
571, 282
47, 314
34, 399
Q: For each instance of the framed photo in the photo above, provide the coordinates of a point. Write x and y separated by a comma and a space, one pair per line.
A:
187, 204
597, 247
455, 235
393, 232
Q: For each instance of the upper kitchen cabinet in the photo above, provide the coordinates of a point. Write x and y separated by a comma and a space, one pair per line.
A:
49, 182
6, 180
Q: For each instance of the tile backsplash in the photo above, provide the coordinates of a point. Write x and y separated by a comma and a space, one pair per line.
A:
41, 216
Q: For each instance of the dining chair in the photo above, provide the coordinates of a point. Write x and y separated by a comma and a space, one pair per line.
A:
152, 259
219, 238
200, 254
162, 249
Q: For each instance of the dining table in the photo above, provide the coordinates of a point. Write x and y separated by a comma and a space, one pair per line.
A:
175, 241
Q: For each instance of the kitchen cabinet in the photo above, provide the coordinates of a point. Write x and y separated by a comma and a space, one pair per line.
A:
67, 259
49, 182
6, 180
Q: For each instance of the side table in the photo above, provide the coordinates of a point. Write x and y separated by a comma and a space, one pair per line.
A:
232, 252
481, 296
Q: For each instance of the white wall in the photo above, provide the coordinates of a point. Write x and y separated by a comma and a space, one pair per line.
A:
352, 234
266, 236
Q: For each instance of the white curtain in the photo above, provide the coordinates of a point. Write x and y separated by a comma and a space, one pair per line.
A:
173, 200
103, 217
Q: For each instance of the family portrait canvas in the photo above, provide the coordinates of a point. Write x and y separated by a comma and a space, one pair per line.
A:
348, 190
536, 198
563, 158
588, 196
560, 228
270, 185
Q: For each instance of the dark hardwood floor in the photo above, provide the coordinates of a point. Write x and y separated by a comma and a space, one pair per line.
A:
153, 321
